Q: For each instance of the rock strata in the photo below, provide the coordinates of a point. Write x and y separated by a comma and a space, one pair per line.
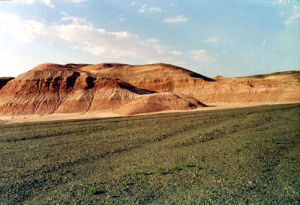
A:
133, 89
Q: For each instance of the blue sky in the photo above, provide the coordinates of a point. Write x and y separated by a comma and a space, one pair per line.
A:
211, 37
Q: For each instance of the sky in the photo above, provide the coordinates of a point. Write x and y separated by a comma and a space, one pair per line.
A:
211, 37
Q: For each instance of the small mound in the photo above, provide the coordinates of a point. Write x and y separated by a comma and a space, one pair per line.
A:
160, 102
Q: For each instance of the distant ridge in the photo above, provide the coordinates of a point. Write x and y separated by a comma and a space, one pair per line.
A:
282, 73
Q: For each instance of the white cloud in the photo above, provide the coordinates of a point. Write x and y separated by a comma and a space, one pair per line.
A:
22, 30
295, 15
47, 2
75, 47
292, 18
23, 1
176, 19
152, 40
75, 20
175, 53
98, 41
213, 40
83, 35
201, 55
146, 8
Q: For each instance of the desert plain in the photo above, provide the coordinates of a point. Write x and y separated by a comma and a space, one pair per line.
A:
114, 133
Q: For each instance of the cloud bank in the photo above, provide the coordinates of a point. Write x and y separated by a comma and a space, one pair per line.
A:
85, 36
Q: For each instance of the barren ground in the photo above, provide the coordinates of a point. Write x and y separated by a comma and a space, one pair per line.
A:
234, 156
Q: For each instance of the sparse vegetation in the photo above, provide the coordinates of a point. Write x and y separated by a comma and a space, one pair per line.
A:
188, 165
175, 168
127, 183
163, 171
93, 191
252, 158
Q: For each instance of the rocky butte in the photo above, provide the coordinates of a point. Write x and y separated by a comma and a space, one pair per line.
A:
132, 89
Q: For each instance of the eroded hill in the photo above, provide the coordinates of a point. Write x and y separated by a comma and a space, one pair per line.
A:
133, 89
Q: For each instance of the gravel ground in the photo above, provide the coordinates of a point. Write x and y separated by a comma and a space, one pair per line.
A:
245, 155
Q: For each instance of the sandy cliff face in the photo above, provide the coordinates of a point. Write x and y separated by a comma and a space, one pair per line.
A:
127, 89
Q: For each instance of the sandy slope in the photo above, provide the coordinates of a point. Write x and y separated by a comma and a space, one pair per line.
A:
102, 114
